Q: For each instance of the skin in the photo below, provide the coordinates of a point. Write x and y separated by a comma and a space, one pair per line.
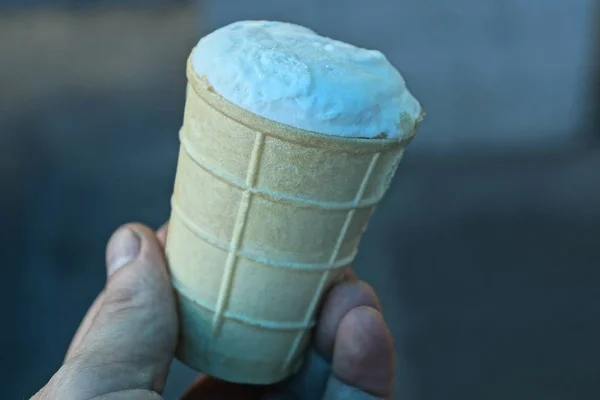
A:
125, 343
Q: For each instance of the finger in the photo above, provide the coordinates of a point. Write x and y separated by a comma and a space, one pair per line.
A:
340, 301
130, 343
363, 358
311, 380
84, 327
161, 234
207, 388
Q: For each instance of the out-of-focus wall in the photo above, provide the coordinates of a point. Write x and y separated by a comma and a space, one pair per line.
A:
596, 79
78, 3
489, 73
91, 100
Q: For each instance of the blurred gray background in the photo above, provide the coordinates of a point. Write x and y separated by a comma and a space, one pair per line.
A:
486, 253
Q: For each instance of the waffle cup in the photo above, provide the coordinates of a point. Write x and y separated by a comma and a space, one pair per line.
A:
264, 218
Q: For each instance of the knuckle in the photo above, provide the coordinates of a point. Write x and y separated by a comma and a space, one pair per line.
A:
124, 300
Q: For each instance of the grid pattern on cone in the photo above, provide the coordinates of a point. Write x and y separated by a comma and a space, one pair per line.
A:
221, 309
274, 195
241, 253
325, 277
238, 232
244, 319
234, 252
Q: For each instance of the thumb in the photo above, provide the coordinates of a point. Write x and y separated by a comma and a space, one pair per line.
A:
129, 343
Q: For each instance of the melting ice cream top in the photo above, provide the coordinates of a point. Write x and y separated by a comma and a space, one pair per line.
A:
290, 74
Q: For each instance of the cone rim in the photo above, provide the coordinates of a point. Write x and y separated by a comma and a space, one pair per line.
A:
204, 90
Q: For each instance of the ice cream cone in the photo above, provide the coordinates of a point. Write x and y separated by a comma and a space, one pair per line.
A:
264, 218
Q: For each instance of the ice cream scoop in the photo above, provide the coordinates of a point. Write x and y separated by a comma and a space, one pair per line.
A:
290, 74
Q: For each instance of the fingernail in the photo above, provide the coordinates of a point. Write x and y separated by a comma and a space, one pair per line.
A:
123, 247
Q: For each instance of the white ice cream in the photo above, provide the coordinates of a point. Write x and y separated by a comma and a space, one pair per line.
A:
289, 74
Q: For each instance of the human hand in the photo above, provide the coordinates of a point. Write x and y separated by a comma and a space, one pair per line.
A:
125, 343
